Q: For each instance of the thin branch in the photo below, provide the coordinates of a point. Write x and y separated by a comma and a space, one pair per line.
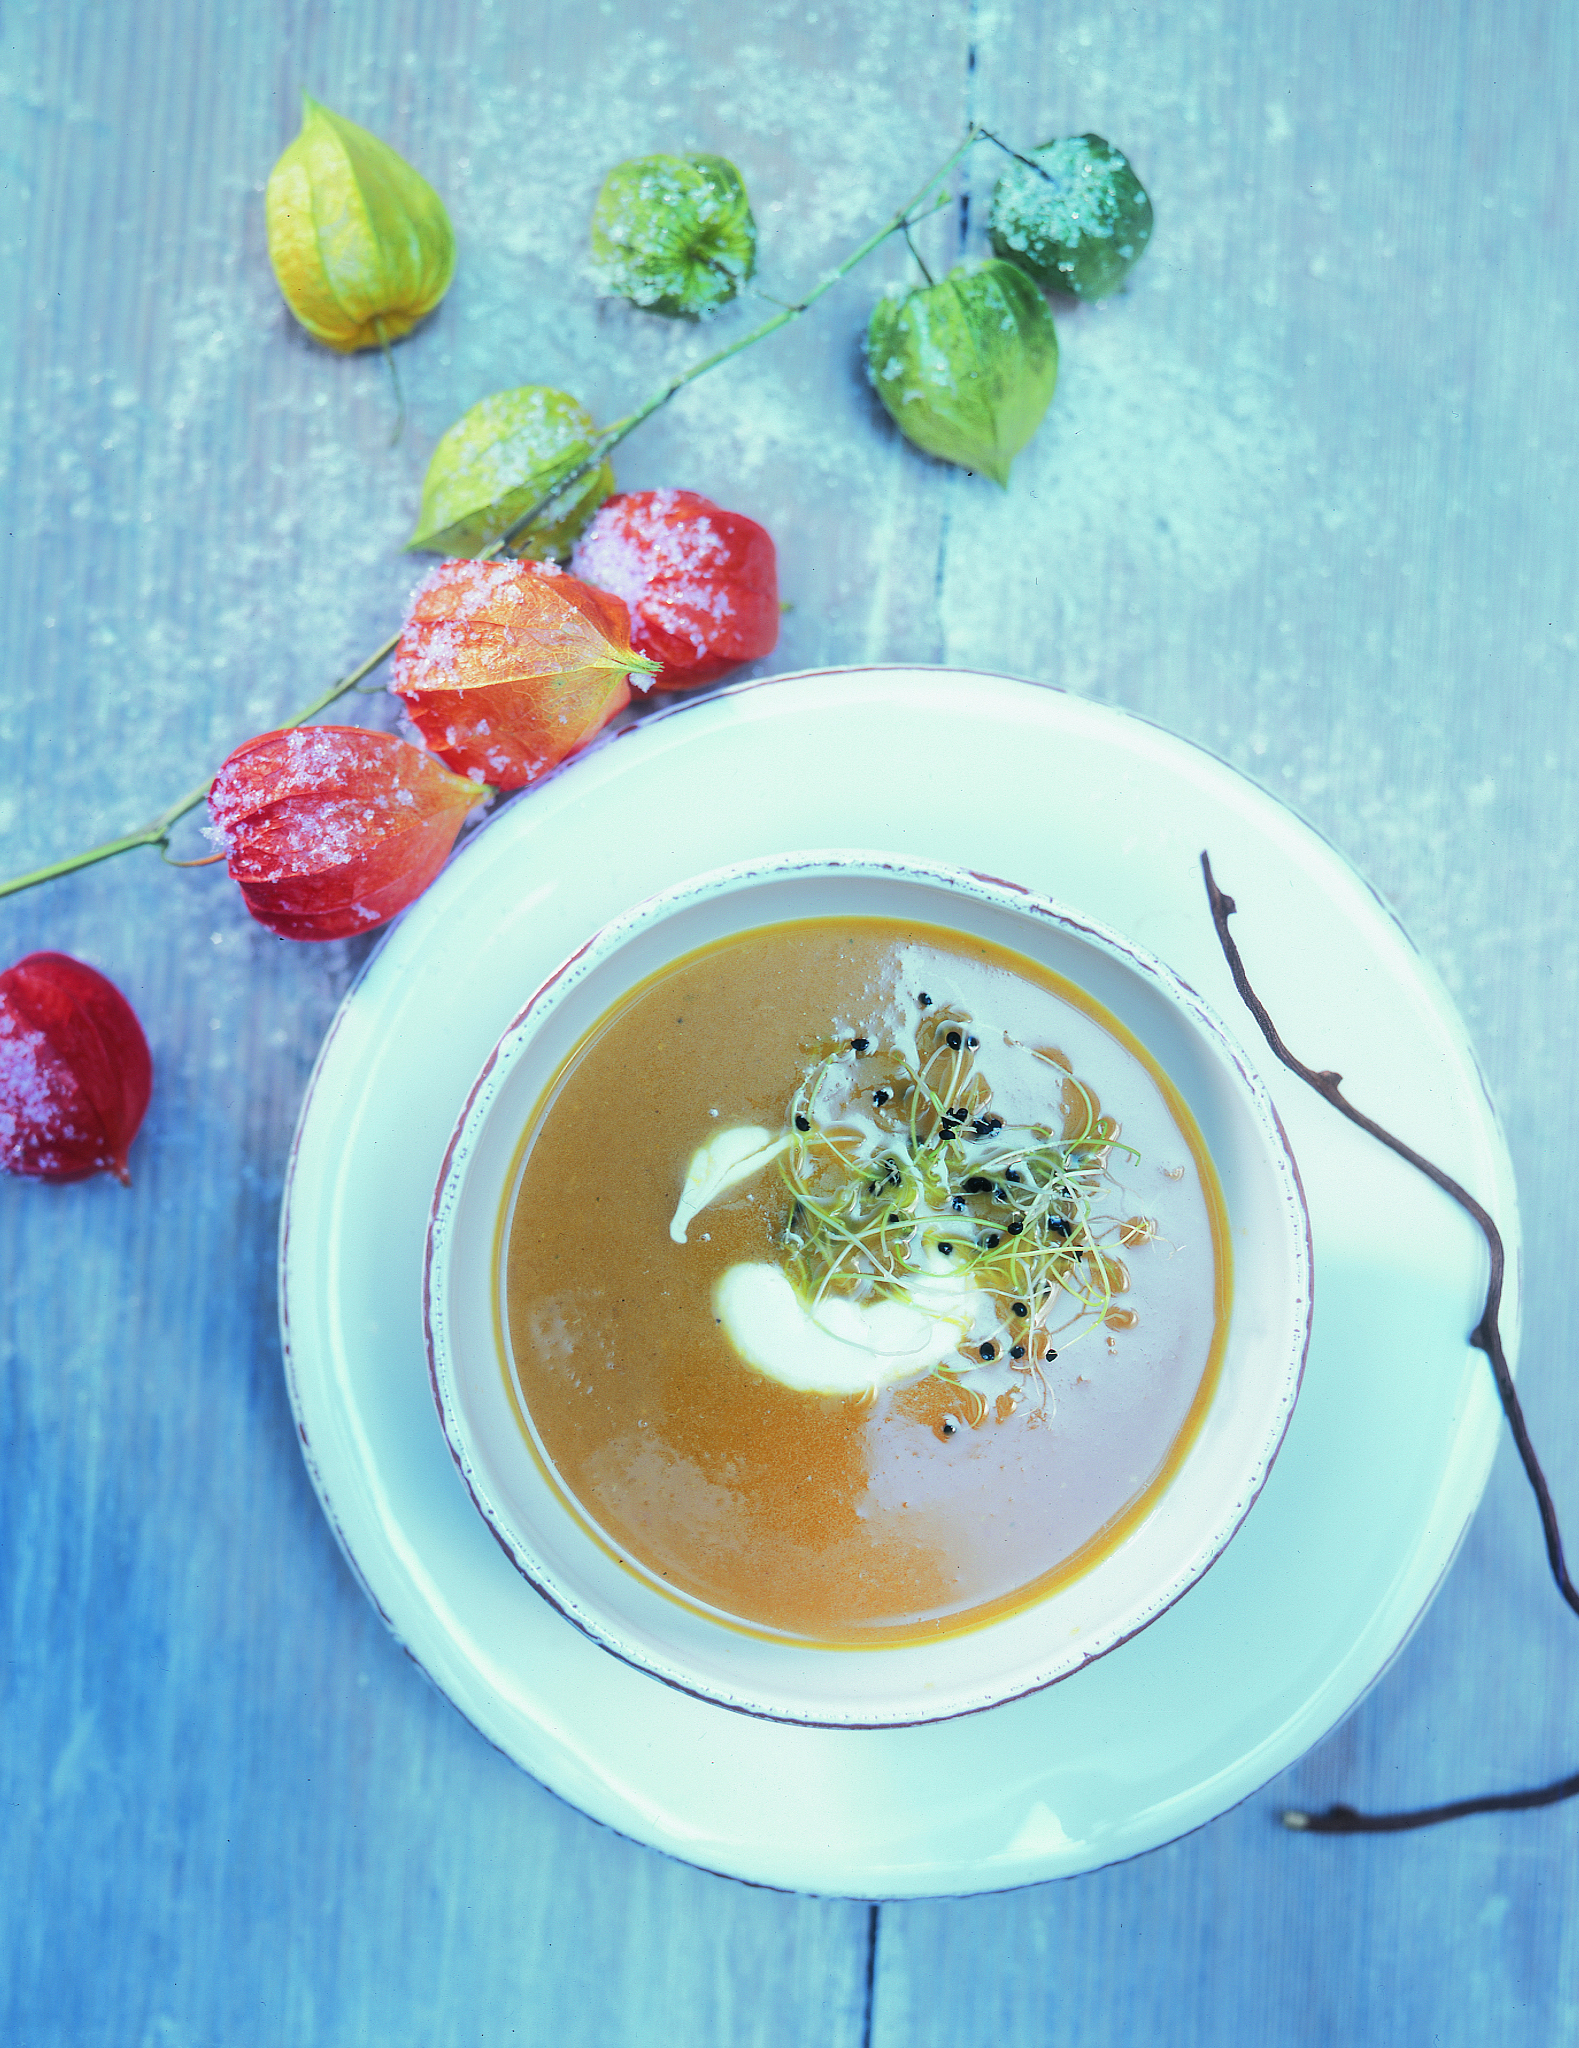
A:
1029, 162
916, 253
1487, 1334
1345, 1820
1485, 1337
394, 378
156, 831
611, 437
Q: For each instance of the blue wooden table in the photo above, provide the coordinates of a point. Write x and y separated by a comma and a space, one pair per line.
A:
1306, 496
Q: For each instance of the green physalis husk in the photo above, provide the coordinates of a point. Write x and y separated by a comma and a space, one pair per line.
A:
497, 461
361, 244
674, 234
967, 366
1078, 223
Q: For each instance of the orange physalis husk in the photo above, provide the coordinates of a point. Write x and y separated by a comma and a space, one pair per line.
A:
331, 829
75, 1075
505, 668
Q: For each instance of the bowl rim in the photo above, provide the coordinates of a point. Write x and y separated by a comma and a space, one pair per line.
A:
604, 941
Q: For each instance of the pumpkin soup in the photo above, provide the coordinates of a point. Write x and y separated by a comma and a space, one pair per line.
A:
864, 1280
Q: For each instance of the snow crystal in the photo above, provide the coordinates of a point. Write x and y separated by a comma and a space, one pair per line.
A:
666, 568
36, 1097
1076, 198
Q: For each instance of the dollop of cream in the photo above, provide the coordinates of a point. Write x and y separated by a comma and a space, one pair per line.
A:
844, 1346
727, 1158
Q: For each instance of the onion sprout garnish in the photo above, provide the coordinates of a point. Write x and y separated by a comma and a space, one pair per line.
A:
903, 1182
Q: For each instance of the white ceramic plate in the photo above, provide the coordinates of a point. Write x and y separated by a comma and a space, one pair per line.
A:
1397, 1421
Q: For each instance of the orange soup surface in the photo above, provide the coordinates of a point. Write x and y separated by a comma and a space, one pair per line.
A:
984, 1146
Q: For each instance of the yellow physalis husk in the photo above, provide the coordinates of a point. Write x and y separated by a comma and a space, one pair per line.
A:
361, 244
499, 459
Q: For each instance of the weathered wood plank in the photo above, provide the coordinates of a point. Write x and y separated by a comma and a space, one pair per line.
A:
235, 1812
1298, 499
1303, 496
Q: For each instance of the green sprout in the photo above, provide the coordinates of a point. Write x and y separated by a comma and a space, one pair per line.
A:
899, 1172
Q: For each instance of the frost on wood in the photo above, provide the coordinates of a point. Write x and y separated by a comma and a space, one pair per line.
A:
701, 583
505, 668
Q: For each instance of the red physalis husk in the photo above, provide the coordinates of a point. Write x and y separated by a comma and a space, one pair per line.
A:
505, 668
702, 583
74, 1071
330, 829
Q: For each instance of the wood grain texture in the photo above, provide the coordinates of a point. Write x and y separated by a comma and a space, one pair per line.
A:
1305, 495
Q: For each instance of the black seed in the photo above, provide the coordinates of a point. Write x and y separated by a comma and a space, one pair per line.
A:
991, 1241
958, 1205
859, 1044
1051, 1352
977, 1185
988, 1353
801, 1124
1013, 1173
973, 1043
1016, 1350
925, 1001
998, 1195
880, 1096
1063, 1229
954, 1041
1015, 1225
1020, 1308
947, 1250
948, 1425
